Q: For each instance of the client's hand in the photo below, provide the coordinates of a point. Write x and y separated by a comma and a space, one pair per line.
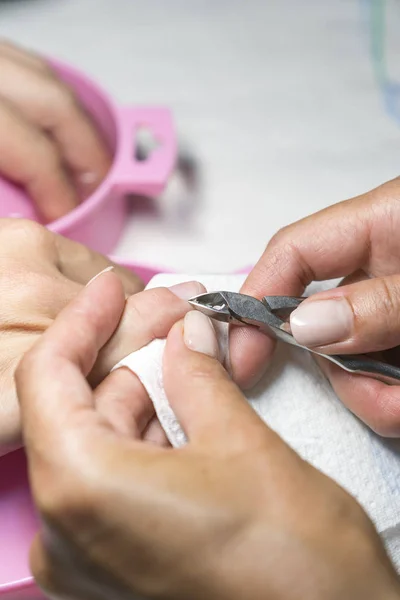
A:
40, 272
236, 514
48, 143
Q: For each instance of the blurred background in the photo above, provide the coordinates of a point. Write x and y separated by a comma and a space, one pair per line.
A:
286, 107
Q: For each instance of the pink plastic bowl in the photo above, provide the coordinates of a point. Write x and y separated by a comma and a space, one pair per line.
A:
99, 220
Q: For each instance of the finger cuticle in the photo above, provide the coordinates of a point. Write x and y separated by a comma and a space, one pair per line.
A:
187, 290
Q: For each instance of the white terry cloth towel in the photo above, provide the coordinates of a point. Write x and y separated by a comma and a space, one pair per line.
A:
297, 401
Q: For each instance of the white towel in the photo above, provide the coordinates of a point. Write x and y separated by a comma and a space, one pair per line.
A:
297, 401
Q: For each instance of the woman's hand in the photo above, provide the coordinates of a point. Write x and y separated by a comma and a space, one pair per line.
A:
48, 143
359, 241
235, 514
40, 272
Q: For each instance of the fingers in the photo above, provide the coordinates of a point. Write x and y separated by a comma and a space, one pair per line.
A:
358, 318
122, 400
374, 322
155, 434
334, 242
375, 403
51, 386
209, 406
50, 105
81, 264
29, 158
249, 354
147, 316
331, 243
17, 53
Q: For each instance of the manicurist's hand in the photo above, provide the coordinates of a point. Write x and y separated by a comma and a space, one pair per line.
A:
359, 241
235, 514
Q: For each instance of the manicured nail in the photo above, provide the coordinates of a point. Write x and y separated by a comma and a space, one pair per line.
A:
321, 322
199, 334
101, 273
187, 290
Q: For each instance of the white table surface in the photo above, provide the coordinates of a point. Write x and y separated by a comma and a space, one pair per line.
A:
277, 99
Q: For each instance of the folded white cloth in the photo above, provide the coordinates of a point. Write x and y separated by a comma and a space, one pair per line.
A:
297, 401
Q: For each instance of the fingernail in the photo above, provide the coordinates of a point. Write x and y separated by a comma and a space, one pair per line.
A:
321, 322
187, 290
199, 334
88, 178
101, 273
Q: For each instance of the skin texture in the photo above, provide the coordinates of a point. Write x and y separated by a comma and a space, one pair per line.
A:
234, 515
357, 240
48, 143
40, 272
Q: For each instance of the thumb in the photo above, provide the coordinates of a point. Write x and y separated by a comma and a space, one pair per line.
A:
357, 318
210, 407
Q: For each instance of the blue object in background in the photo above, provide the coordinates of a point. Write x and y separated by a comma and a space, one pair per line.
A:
374, 18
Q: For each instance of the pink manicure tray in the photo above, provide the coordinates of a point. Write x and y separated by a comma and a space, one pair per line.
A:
99, 220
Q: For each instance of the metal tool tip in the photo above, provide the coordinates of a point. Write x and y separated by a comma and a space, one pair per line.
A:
193, 302
212, 304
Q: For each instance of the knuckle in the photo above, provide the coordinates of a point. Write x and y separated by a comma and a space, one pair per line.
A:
386, 421
285, 257
387, 191
77, 252
23, 232
157, 296
139, 316
150, 302
274, 256
279, 238
387, 299
62, 98
133, 309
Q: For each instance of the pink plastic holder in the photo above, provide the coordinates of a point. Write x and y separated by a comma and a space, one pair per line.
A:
98, 222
